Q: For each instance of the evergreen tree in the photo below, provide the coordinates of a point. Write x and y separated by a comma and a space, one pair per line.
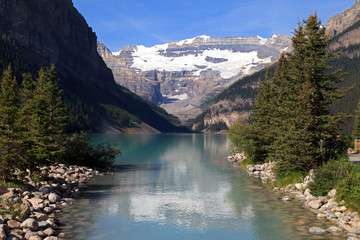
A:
11, 133
261, 117
356, 131
48, 118
308, 91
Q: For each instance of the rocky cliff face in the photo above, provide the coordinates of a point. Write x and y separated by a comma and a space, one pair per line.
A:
339, 22
54, 32
180, 76
45, 32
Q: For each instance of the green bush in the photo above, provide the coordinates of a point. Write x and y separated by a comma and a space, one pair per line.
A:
349, 188
329, 175
79, 151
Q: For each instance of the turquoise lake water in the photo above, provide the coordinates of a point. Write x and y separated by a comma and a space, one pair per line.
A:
181, 187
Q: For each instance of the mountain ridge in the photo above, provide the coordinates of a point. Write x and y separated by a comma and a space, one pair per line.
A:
180, 76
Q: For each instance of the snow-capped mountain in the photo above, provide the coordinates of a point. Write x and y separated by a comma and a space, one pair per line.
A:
180, 76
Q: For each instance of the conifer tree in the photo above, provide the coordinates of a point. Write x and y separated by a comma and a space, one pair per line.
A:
356, 131
48, 117
308, 91
261, 118
11, 133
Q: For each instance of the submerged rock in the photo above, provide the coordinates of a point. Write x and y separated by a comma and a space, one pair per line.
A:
317, 230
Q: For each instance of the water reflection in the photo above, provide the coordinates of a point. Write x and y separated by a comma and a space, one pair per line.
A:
181, 187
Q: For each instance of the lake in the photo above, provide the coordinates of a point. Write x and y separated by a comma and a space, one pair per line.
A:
181, 187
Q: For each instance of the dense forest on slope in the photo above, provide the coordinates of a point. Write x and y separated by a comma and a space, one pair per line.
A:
58, 34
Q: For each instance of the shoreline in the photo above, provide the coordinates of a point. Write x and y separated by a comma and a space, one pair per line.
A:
325, 207
35, 205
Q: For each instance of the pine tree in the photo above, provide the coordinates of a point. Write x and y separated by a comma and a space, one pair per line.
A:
11, 133
356, 131
308, 91
261, 118
48, 118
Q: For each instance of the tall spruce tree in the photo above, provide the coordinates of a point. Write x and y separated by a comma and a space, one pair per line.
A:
261, 118
356, 131
48, 118
308, 91
11, 131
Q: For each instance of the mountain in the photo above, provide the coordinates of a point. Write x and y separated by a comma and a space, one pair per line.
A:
37, 33
181, 76
235, 101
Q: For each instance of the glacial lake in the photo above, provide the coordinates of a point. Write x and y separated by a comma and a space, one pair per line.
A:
181, 187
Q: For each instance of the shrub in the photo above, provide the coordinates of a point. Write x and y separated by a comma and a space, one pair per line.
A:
79, 151
349, 188
329, 175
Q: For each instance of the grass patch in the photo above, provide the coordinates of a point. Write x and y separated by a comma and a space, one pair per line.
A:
289, 178
15, 183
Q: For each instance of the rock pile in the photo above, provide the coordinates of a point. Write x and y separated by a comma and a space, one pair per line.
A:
262, 171
324, 206
237, 158
29, 213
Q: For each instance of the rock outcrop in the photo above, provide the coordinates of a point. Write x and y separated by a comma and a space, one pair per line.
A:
339, 22
180, 76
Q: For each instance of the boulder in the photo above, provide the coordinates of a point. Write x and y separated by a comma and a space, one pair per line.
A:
307, 192
54, 198
332, 193
49, 231
31, 224
315, 204
13, 224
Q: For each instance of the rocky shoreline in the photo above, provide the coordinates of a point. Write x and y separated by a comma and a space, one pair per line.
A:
30, 212
326, 207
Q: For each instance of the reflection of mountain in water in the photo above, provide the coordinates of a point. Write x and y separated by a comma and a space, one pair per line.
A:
177, 186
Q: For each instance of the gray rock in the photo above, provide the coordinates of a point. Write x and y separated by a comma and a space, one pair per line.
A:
61, 170
321, 215
334, 229
3, 235
41, 216
13, 224
353, 214
51, 238
307, 192
332, 193
43, 225
54, 198
44, 190
315, 204
31, 224
49, 232
30, 234
352, 238
286, 198
37, 237
317, 230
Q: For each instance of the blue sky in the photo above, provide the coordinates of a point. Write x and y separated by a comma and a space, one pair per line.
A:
119, 23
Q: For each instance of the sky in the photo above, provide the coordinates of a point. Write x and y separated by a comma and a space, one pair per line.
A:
120, 23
